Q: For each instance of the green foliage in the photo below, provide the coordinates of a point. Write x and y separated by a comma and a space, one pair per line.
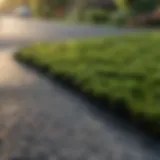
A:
142, 6
122, 5
60, 3
137, 6
119, 18
46, 8
124, 68
96, 16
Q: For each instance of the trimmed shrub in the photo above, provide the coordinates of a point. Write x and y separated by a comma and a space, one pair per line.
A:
96, 16
119, 18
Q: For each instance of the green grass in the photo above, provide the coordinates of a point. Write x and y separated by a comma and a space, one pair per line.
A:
124, 68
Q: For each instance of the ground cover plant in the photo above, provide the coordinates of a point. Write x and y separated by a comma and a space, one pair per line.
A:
124, 70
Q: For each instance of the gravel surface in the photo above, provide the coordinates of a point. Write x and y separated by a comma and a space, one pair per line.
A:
42, 121
39, 120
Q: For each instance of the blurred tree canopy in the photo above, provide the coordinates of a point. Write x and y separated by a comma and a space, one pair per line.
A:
42, 7
46, 8
137, 6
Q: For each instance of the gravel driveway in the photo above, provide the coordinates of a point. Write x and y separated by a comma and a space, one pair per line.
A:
39, 120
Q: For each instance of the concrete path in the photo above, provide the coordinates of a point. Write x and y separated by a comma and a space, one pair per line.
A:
39, 120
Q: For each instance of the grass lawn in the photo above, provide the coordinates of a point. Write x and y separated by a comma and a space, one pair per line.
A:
124, 70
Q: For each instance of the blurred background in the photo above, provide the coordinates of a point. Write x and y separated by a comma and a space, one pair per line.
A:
114, 12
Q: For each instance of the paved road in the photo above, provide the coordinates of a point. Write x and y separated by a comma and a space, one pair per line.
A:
37, 30
42, 121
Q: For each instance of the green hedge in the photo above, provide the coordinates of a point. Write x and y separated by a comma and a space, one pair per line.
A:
119, 69
96, 16
119, 18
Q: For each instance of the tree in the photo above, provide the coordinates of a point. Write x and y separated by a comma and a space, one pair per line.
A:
137, 6
46, 8
143, 6
122, 4
77, 9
